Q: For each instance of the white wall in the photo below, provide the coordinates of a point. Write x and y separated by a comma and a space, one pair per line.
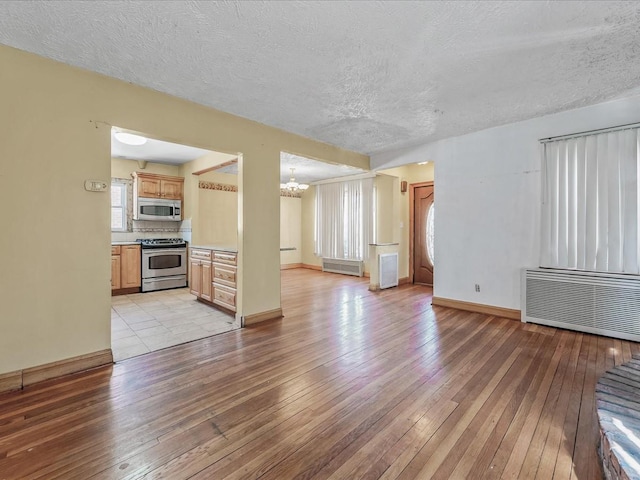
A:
487, 202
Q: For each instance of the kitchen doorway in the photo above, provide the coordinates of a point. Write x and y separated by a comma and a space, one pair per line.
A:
163, 195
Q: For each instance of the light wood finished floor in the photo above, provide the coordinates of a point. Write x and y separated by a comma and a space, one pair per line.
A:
351, 384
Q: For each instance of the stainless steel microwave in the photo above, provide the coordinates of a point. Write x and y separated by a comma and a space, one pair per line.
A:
157, 209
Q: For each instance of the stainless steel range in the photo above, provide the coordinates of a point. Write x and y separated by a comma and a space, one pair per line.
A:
164, 263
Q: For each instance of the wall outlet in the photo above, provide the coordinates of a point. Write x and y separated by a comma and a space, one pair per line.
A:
477, 287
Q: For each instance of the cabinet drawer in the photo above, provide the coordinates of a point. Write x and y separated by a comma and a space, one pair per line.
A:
224, 275
224, 296
203, 254
226, 258
115, 249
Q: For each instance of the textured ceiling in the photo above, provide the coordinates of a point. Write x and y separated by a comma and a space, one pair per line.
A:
368, 76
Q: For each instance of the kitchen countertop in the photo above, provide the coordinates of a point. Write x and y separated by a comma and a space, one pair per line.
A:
219, 248
125, 243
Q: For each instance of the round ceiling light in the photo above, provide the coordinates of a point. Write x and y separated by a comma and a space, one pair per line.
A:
130, 138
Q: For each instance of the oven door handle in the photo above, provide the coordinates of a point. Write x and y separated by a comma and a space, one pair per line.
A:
157, 251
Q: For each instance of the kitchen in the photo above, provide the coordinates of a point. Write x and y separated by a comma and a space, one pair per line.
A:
153, 208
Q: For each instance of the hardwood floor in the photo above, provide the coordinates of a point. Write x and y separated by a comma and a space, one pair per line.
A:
350, 384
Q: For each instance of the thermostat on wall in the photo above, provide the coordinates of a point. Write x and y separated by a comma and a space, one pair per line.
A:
95, 185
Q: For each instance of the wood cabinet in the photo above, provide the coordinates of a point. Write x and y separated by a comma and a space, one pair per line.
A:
126, 264
213, 277
200, 274
130, 266
150, 185
115, 272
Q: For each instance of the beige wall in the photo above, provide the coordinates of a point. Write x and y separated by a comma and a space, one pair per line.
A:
122, 168
217, 222
291, 230
308, 207
55, 293
411, 174
387, 209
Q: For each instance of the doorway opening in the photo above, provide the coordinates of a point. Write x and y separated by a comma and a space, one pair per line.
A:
165, 196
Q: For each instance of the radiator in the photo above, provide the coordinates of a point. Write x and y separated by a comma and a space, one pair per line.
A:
339, 265
388, 270
604, 304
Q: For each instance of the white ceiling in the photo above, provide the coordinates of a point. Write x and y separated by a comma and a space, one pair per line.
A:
306, 170
367, 76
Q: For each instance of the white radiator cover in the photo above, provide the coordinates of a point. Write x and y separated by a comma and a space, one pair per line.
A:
347, 267
388, 270
600, 303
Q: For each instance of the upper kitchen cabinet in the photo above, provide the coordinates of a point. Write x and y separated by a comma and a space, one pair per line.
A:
150, 185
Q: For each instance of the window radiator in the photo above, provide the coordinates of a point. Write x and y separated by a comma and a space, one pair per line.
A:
600, 303
388, 270
347, 267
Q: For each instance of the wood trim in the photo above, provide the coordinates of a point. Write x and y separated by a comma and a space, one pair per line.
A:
288, 266
312, 267
157, 176
403, 281
125, 291
10, 381
412, 193
262, 316
477, 308
215, 167
65, 367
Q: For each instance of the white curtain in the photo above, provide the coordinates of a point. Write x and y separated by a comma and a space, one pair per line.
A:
590, 202
344, 223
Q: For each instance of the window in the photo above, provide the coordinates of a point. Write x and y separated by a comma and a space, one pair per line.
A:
118, 206
591, 201
430, 234
344, 219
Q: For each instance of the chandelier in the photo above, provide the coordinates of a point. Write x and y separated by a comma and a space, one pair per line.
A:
292, 185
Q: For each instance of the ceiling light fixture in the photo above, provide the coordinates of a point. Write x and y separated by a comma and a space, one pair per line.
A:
292, 185
130, 138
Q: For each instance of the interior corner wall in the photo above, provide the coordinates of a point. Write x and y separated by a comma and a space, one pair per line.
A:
308, 208
55, 292
123, 168
290, 230
487, 194
401, 222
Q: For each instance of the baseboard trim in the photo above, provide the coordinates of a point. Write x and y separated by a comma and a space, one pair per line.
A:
125, 291
10, 381
262, 316
477, 308
312, 267
65, 367
288, 266
403, 281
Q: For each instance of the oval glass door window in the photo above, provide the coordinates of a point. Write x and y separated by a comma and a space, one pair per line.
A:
430, 237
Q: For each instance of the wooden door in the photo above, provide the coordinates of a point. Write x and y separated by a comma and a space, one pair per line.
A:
422, 244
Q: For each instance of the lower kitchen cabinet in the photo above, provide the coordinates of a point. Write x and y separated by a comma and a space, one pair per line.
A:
213, 277
200, 274
126, 275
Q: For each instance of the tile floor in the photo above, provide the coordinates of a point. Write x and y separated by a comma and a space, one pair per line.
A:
145, 322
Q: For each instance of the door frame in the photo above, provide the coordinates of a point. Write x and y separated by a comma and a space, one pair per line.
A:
412, 188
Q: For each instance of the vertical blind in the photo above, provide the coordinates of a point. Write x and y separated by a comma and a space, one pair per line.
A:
590, 202
344, 226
